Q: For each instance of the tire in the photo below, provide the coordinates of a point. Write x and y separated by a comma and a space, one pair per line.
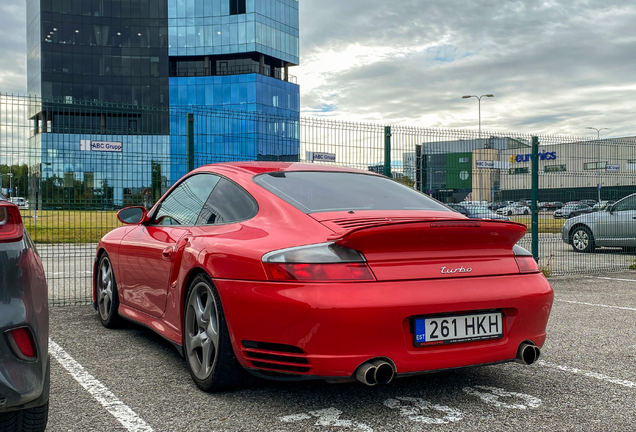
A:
206, 341
582, 240
107, 297
526, 212
509, 213
26, 420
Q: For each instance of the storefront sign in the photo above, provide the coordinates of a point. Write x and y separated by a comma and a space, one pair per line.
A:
484, 164
101, 146
528, 157
321, 157
106, 146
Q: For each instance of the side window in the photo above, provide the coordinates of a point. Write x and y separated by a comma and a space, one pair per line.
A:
228, 203
626, 204
185, 202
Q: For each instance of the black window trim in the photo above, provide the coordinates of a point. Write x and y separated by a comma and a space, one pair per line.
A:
183, 179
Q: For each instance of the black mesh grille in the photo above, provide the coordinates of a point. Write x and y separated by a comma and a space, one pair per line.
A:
266, 365
267, 346
274, 357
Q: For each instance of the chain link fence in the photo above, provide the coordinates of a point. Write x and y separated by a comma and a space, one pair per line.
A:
71, 166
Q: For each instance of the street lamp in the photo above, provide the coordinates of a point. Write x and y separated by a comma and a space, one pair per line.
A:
480, 180
598, 138
479, 99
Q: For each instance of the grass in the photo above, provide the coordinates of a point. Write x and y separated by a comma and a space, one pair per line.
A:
546, 225
546, 269
69, 226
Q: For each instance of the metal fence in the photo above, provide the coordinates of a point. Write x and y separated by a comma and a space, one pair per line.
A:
76, 163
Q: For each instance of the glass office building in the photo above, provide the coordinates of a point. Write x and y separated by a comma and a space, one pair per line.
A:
202, 55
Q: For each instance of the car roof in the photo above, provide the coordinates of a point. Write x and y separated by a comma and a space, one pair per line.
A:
254, 168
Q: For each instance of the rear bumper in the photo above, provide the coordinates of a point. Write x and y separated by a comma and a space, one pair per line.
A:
32, 391
23, 303
340, 326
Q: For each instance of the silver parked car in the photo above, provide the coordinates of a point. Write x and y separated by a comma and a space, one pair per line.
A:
614, 226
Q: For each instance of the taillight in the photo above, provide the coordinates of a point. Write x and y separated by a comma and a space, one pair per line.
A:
11, 228
325, 262
525, 261
21, 342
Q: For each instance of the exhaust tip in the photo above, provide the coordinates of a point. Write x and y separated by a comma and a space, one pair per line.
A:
366, 374
384, 372
527, 354
375, 372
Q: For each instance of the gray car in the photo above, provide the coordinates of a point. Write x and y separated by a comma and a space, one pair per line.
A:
615, 226
24, 328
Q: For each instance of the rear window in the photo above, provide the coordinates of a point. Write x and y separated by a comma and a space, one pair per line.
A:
323, 191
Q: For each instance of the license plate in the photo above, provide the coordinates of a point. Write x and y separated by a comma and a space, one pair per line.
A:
458, 328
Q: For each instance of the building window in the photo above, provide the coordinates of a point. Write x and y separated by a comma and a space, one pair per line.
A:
514, 171
237, 7
594, 165
463, 160
554, 168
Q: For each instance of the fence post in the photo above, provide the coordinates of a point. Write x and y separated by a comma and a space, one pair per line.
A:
387, 151
534, 196
190, 141
418, 168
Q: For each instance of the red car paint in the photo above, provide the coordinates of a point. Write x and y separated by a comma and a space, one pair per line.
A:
335, 326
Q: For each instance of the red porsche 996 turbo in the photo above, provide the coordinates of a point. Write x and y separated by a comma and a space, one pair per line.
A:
294, 271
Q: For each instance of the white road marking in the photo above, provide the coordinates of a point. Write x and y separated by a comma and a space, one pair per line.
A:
418, 407
295, 417
491, 396
598, 277
598, 376
328, 417
596, 304
126, 416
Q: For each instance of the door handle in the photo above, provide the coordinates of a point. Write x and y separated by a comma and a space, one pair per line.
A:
166, 254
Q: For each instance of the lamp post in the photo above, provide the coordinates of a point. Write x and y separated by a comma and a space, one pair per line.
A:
598, 138
479, 105
479, 99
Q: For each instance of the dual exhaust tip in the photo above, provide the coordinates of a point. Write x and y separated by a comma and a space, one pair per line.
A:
380, 372
375, 372
527, 353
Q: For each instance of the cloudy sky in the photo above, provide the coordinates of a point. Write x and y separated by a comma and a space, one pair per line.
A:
554, 66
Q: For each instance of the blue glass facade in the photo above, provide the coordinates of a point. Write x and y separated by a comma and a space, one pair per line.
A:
206, 27
250, 92
220, 136
208, 57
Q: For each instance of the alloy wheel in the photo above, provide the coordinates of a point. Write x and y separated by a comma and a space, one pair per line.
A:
105, 281
202, 331
580, 240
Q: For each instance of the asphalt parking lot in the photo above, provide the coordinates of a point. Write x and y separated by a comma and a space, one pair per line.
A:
132, 380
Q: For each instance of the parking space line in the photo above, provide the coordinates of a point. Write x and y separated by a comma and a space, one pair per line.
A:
124, 415
598, 376
608, 278
595, 304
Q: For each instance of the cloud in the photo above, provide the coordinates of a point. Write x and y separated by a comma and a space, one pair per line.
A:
555, 66
13, 46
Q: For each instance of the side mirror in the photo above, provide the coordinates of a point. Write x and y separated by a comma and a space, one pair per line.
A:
132, 215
